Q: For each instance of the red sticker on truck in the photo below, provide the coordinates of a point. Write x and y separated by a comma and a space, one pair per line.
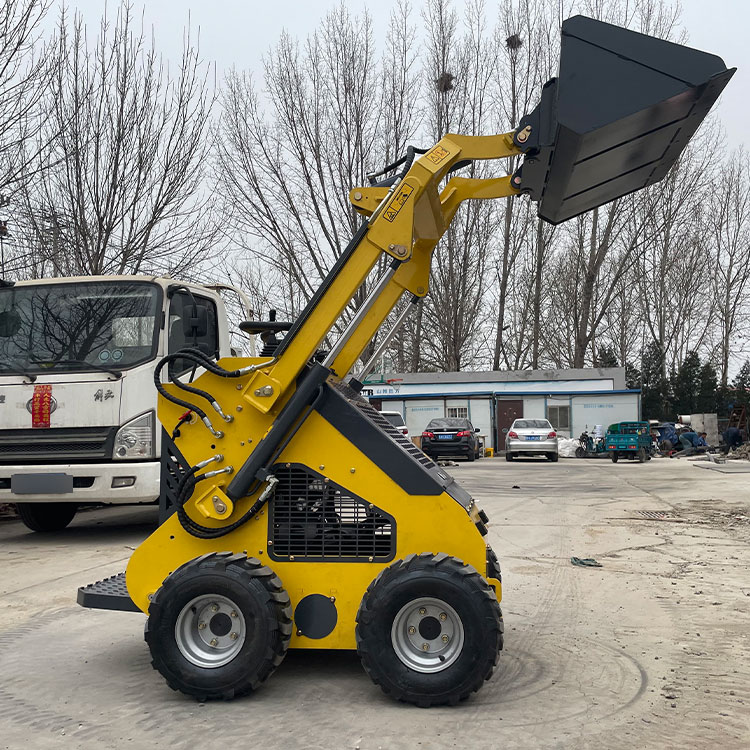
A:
41, 406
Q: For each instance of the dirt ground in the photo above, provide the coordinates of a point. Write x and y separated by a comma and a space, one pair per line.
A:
649, 651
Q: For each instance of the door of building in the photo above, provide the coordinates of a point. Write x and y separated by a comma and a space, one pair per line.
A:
507, 411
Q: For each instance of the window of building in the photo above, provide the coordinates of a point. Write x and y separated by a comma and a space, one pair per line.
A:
459, 412
559, 416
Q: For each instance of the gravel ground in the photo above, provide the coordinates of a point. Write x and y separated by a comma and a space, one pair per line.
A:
649, 651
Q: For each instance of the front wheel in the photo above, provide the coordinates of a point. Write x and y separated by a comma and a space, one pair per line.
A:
46, 516
429, 630
580, 452
219, 626
614, 457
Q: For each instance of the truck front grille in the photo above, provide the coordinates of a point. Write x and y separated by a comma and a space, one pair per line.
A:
56, 445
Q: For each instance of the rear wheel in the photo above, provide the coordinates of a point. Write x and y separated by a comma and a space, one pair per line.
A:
429, 630
219, 626
614, 457
508, 456
46, 516
641, 455
552, 457
472, 456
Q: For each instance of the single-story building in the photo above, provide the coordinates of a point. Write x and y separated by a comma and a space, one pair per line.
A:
572, 400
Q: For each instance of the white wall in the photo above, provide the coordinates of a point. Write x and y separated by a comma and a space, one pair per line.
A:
594, 409
533, 407
420, 412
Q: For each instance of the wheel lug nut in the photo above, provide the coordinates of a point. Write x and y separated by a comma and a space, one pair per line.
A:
412, 630
234, 614
422, 611
214, 607
214, 642
425, 647
201, 626
444, 639
443, 616
233, 636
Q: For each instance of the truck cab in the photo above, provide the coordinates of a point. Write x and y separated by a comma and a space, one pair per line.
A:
77, 398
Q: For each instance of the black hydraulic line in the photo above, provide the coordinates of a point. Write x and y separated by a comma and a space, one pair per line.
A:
323, 288
255, 466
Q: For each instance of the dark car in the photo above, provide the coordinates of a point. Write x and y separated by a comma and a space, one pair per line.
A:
450, 436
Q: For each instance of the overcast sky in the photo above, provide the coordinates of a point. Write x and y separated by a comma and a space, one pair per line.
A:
239, 32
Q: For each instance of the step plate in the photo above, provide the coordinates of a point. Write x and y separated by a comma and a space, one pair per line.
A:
111, 593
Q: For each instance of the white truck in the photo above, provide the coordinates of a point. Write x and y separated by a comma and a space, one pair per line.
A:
78, 419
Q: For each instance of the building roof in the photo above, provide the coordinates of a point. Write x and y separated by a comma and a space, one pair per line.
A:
615, 374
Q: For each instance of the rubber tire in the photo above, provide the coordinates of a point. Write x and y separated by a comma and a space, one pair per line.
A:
554, 457
46, 517
472, 456
264, 603
459, 585
508, 456
641, 455
580, 453
614, 457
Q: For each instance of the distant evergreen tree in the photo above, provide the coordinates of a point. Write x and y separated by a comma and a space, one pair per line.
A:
741, 384
655, 396
686, 384
632, 376
606, 357
709, 399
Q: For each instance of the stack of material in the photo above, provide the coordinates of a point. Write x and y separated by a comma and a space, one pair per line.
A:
566, 447
743, 452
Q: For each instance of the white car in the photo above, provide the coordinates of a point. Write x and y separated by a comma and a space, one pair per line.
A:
397, 420
531, 437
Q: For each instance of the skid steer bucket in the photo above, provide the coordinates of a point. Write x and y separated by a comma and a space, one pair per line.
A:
620, 112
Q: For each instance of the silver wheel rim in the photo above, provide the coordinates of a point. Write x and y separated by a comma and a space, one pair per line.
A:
427, 635
210, 631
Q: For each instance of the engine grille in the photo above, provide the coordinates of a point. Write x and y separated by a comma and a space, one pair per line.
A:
56, 445
311, 518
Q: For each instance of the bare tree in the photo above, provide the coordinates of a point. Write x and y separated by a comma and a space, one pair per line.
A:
729, 264
284, 165
26, 62
121, 190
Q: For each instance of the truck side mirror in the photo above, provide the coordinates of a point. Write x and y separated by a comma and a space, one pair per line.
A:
195, 321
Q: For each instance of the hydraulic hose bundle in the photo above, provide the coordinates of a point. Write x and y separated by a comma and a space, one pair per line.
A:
191, 477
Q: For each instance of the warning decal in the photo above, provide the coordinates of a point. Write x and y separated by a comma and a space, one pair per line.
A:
41, 406
437, 154
391, 212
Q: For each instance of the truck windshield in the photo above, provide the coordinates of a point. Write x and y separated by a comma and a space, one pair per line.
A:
78, 327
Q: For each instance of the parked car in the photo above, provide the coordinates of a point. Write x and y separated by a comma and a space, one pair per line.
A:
397, 420
531, 437
451, 436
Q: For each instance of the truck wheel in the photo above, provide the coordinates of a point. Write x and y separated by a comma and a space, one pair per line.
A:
429, 630
46, 516
641, 455
614, 457
219, 626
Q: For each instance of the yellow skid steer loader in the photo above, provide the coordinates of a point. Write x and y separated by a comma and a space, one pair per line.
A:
299, 517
